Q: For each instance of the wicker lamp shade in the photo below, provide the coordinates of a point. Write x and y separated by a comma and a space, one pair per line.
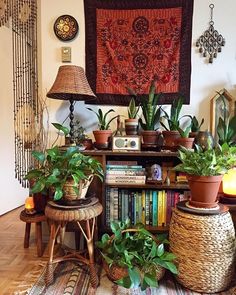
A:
71, 84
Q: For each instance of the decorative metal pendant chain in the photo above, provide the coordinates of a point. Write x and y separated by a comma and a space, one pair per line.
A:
211, 41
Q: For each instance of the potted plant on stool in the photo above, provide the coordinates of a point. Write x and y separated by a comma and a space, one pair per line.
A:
103, 135
133, 257
204, 169
68, 173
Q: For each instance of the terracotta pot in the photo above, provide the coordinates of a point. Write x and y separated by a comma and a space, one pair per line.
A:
150, 137
204, 190
170, 137
185, 142
102, 136
131, 126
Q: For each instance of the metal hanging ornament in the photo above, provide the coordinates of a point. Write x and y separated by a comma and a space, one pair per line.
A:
211, 42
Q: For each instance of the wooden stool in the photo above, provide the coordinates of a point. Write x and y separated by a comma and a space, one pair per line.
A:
59, 216
37, 219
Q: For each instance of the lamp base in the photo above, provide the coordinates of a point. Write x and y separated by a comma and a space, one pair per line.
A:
224, 199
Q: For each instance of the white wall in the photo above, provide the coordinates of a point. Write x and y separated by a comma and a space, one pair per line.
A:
12, 194
206, 78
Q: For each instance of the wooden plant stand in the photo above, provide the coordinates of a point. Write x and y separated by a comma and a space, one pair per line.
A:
59, 216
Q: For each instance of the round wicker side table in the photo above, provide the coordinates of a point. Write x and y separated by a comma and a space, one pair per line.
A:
205, 249
58, 217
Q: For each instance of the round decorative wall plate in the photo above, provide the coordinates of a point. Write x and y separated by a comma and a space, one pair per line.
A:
66, 27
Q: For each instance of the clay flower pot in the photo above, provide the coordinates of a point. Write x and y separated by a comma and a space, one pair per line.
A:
150, 137
170, 138
102, 138
185, 142
204, 190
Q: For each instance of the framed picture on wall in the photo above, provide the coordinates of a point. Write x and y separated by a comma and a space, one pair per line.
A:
217, 109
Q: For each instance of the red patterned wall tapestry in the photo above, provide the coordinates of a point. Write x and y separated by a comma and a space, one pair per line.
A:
130, 43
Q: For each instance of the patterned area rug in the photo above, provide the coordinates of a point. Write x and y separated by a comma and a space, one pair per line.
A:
73, 279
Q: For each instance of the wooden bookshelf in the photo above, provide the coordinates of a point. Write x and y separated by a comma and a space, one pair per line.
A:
142, 157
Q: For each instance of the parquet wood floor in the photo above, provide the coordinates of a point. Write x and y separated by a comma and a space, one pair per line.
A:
18, 265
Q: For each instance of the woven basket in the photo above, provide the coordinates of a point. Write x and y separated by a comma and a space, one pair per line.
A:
205, 250
115, 272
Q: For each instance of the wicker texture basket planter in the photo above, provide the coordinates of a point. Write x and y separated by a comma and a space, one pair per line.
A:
116, 272
205, 250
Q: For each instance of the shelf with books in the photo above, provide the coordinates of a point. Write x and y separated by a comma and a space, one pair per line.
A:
126, 193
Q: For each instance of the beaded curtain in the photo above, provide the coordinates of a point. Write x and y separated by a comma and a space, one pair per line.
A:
27, 107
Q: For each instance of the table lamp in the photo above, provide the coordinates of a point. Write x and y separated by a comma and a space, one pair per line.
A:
71, 84
229, 183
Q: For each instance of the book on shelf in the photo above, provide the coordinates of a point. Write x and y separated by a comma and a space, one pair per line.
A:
114, 162
126, 172
151, 207
123, 167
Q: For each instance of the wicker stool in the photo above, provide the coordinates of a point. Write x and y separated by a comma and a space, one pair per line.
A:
205, 250
37, 219
59, 216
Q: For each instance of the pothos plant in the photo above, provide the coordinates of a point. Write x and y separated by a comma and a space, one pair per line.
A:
137, 250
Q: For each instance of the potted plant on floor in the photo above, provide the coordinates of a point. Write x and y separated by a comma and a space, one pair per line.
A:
171, 133
103, 135
68, 173
133, 257
131, 124
205, 169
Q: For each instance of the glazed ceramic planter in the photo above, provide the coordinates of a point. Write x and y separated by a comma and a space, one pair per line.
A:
131, 126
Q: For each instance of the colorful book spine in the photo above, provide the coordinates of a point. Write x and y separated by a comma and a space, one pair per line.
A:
154, 208
160, 209
124, 167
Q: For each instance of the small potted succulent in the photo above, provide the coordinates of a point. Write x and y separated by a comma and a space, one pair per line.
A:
103, 134
133, 257
131, 124
66, 172
205, 169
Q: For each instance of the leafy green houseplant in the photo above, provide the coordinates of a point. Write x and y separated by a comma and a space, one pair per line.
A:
171, 133
151, 113
184, 139
131, 124
204, 169
141, 255
226, 127
102, 136
195, 124
66, 172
